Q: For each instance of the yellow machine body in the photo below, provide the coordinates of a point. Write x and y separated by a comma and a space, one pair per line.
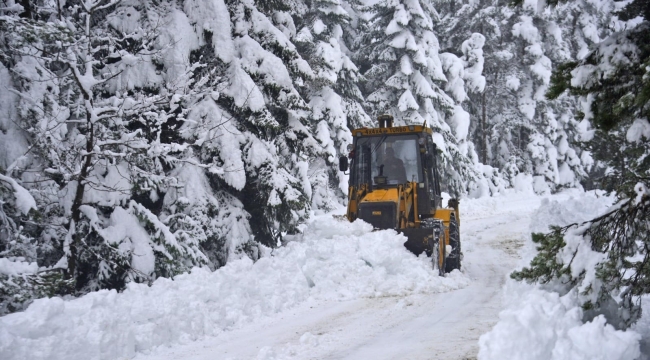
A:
410, 207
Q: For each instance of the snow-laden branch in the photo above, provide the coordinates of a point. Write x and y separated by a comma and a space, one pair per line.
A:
24, 200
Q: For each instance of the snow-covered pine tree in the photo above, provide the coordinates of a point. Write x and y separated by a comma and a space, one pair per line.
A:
86, 76
405, 77
247, 123
270, 56
519, 130
333, 94
495, 107
12, 146
540, 143
583, 25
606, 261
564, 33
22, 281
19, 246
200, 203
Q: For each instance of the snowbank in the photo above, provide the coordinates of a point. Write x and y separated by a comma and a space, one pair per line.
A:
333, 260
579, 207
539, 324
545, 326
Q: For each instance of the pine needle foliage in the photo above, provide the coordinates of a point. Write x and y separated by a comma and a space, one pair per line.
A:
622, 236
614, 81
545, 266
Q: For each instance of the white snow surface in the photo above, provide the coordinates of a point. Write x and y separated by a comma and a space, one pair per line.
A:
24, 200
17, 266
542, 325
340, 291
426, 325
332, 261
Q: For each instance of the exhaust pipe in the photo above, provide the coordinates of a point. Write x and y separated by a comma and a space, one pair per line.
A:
385, 121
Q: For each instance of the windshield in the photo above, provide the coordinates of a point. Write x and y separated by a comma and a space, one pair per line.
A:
392, 160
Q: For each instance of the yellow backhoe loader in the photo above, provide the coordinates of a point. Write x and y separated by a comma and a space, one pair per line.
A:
394, 184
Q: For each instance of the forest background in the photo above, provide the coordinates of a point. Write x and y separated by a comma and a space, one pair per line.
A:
139, 139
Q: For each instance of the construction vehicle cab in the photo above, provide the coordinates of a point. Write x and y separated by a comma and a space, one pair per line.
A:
394, 184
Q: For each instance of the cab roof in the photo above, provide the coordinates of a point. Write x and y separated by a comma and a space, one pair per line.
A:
401, 130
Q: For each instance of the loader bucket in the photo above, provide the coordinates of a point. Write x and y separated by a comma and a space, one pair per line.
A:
418, 240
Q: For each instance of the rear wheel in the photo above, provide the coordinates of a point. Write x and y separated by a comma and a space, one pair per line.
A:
453, 259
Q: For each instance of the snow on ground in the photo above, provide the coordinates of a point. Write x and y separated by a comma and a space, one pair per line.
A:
539, 324
407, 326
339, 291
333, 261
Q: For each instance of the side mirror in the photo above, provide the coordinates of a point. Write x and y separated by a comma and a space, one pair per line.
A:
343, 163
453, 203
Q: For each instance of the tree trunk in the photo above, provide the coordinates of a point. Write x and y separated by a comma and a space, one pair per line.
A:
484, 129
87, 157
78, 199
27, 10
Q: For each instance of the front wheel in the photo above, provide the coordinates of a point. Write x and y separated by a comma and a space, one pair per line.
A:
438, 256
455, 256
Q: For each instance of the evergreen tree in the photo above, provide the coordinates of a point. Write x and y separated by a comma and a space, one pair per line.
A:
333, 94
200, 56
613, 83
496, 104
405, 77
259, 119
518, 130
85, 73
19, 218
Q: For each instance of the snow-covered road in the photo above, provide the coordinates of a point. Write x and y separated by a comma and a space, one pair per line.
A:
413, 326
343, 291
331, 262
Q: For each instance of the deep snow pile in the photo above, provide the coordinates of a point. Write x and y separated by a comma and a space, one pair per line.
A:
539, 324
332, 260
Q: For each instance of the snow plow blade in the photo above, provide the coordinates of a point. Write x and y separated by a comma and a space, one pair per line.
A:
418, 240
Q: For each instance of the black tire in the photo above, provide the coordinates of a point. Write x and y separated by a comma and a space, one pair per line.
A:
453, 259
433, 250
